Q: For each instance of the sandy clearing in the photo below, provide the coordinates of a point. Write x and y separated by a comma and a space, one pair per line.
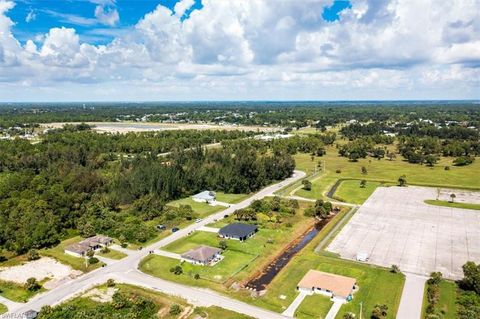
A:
125, 127
102, 296
40, 269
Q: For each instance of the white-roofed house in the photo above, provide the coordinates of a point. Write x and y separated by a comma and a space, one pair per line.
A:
205, 197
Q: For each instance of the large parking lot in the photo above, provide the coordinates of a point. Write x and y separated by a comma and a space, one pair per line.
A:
395, 226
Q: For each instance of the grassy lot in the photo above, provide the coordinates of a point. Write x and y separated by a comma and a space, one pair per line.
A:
3, 308
446, 303
231, 198
217, 312
58, 252
452, 205
311, 306
202, 209
16, 292
113, 254
350, 191
385, 171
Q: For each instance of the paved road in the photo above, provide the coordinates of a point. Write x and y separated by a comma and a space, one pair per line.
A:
126, 270
412, 297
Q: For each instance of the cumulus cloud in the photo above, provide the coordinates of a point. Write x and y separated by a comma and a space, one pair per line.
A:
265, 49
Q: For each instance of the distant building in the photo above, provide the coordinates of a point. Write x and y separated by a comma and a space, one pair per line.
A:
205, 197
92, 243
202, 255
337, 287
238, 231
362, 257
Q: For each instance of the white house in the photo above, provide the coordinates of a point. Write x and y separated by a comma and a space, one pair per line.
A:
205, 197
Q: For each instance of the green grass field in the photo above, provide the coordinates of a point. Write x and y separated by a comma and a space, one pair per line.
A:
384, 171
16, 292
202, 209
447, 301
231, 198
217, 312
113, 254
58, 252
311, 306
350, 191
452, 205
3, 308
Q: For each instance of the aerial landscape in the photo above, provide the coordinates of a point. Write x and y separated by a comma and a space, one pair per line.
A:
239, 159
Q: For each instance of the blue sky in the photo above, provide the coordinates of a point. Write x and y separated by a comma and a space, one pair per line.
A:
35, 17
239, 49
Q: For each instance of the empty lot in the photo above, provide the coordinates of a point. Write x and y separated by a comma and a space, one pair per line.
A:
395, 226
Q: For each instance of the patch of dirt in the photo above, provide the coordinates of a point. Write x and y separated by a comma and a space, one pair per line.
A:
43, 268
103, 296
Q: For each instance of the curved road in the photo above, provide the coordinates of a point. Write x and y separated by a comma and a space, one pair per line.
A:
126, 270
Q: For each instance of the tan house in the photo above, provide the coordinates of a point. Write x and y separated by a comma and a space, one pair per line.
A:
335, 286
91, 243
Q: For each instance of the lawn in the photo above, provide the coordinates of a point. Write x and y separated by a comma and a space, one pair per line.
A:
349, 191
452, 205
58, 252
385, 171
113, 254
231, 198
217, 312
312, 305
16, 292
202, 209
3, 308
447, 300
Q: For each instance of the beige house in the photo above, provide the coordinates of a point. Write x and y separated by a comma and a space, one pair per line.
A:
92, 243
334, 286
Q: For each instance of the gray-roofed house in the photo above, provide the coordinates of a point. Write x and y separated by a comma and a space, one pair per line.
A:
238, 231
91, 243
202, 255
205, 197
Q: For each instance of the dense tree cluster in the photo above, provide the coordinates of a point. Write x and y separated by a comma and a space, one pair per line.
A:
468, 298
75, 180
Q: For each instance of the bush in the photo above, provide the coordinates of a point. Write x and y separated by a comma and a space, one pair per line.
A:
338, 171
177, 270
175, 310
395, 269
463, 160
3, 258
447, 168
32, 284
33, 254
110, 283
93, 260
197, 276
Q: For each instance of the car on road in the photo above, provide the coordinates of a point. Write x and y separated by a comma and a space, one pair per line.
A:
198, 220
161, 227
175, 229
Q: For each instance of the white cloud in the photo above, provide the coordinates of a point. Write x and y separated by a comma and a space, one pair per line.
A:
260, 49
30, 16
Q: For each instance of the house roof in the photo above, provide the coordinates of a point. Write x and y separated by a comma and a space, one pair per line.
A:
96, 240
78, 248
202, 253
238, 230
340, 285
206, 195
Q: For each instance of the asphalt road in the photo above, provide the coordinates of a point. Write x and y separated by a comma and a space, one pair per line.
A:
126, 270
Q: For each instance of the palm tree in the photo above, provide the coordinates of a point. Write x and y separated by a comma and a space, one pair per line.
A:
452, 197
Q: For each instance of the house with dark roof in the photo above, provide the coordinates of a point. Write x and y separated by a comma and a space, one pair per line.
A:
238, 231
202, 255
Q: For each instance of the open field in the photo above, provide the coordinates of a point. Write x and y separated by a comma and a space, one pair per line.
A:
417, 237
202, 209
16, 292
112, 254
124, 127
384, 171
58, 252
350, 191
452, 205
446, 302
231, 198
312, 306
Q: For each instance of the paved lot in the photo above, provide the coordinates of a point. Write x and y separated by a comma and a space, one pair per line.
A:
395, 226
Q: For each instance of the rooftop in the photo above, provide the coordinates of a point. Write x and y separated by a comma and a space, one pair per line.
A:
238, 229
205, 195
202, 253
340, 285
